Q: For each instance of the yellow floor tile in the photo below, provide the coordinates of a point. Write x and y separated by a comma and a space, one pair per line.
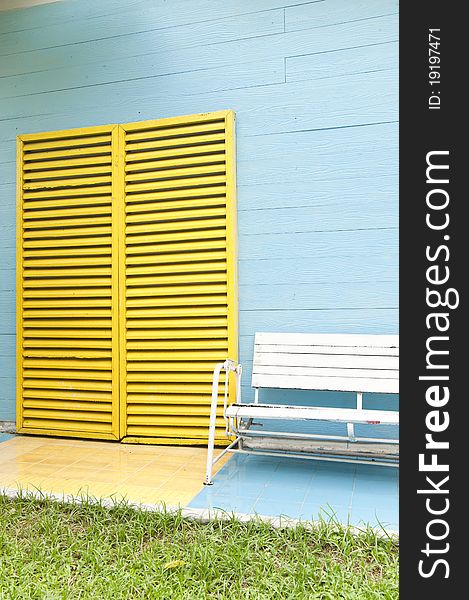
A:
57, 461
104, 476
42, 469
141, 473
130, 461
159, 469
170, 461
88, 463
77, 487
30, 457
171, 498
147, 480
7, 466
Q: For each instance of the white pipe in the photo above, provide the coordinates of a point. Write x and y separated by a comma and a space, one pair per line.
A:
213, 418
228, 365
256, 396
305, 436
356, 461
238, 374
225, 450
359, 401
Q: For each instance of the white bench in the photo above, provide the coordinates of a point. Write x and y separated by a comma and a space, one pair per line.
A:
323, 362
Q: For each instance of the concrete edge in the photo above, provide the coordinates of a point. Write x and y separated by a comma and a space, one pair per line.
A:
203, 515
7, 427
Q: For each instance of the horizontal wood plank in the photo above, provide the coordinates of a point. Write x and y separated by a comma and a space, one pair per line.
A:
332, 361
339, 384
286, 349
266, 372
343, 415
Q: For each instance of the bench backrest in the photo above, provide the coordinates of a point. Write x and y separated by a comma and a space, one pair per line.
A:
338, 362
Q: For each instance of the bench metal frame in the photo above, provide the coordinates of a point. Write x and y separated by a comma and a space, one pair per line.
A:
311, 362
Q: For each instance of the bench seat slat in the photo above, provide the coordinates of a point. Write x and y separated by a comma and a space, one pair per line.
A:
328, 350
337, 384
342, 415
325, 372
283, 359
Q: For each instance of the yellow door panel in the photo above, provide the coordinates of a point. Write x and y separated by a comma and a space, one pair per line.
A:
180, 307
67, 285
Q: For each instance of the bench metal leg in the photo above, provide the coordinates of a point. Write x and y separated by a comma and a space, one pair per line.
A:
227, 366
350, 426
213, 418
359, 401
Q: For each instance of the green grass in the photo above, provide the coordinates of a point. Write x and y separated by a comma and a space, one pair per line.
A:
52, 550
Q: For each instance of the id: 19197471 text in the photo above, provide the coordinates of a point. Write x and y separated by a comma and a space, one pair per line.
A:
434, 73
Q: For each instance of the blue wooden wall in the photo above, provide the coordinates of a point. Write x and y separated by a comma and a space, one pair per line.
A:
315, 88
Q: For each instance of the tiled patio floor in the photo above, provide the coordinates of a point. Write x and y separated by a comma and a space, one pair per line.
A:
269, 486
141, 473
304, 489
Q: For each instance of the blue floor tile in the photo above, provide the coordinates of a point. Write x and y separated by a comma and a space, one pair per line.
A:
335, 467
375, 472
4, 437
274, 508
304, 489
332, 482
324, 497
335, 490
259, 471
223, 502
246, 489
296, 466
295, 478
373, 502
377, 486
373, 497
284, 493
332, 479
200, 501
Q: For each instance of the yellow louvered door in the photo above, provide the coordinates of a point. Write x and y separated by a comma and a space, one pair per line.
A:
126, 284
179, 281
67, 301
